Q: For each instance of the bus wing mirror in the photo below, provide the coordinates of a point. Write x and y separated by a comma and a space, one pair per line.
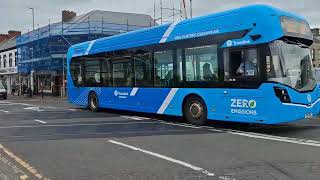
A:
255, 37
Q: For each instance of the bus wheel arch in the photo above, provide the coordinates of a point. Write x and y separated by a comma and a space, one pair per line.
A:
93, 101
194, 109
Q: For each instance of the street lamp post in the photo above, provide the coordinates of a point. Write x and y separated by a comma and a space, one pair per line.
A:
32, 9
32, 72
190, 8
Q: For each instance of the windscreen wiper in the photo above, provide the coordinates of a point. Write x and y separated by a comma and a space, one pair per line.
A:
295, 43
302, 45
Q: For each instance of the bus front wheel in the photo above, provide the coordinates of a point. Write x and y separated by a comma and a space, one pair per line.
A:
93, 102
195, 110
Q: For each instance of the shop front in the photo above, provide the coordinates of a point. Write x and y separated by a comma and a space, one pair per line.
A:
48, 82
10, 79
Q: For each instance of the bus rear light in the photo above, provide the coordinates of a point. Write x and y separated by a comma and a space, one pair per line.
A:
282, 94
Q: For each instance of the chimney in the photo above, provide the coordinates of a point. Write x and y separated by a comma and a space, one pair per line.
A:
68, 15
13, 33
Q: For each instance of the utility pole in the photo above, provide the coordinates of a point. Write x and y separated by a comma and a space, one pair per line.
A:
154, 13
173, 13
32, 71
161, 11
183, 3
190, 8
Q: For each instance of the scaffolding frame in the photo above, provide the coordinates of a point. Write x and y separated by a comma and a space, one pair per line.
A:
44, 50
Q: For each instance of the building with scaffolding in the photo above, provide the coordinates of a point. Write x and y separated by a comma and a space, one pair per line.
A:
41, 53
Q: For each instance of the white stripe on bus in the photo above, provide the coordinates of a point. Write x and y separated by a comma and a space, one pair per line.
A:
168, 32
302, 105
167, 101
89, 47
134, 91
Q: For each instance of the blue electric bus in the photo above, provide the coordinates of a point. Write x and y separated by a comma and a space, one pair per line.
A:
250, 64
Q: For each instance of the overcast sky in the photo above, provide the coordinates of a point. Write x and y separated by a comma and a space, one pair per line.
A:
16, 15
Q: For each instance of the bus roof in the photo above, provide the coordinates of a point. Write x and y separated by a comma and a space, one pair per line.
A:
262, 20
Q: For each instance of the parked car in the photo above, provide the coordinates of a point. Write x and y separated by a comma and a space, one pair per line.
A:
3, 91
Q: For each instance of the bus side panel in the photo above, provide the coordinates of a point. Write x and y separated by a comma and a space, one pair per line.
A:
222, 104
79, 96
133, 99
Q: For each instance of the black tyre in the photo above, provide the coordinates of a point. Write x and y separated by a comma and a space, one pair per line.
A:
195, 110
93, 102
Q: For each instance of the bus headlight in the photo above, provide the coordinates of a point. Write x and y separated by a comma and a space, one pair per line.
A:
282, 94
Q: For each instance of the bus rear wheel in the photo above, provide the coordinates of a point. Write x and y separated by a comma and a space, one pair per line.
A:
93, 102
195, 110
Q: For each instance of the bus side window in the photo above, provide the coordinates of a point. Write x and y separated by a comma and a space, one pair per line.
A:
92, 72
106, 72
121, 73
163, 68
143, 69
76, 70
201, 63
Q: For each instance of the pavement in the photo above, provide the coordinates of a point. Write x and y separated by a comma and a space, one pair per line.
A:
52, 139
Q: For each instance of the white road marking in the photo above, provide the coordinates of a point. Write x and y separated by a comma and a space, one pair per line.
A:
138, 118
243, 133
73, 110
253, 135
72, 125
26, 104
43, 122
4, 111
185, 164
34, 109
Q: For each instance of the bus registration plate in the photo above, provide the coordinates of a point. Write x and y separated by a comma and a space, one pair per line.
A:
308, 115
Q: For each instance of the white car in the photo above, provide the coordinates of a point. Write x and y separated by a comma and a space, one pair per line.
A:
3, 91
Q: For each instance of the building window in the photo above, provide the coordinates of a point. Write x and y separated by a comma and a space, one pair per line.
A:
4, 61
15, 58
10, 60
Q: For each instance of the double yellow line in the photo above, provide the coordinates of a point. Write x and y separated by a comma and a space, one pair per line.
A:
24, 164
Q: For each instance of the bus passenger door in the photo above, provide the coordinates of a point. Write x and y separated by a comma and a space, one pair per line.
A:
75, 81
241, 79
